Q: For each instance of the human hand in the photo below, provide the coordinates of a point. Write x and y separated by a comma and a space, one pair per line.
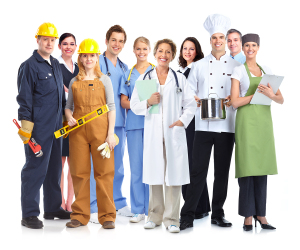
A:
198, 101
228, 103
177, 123
266, 90
111, 141
66, 89
71, 121
154, 98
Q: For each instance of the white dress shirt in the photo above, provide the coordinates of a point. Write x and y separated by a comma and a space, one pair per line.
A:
62, 61
210, 77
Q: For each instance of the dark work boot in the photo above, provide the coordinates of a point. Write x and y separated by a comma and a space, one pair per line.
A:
32, 222
61, 214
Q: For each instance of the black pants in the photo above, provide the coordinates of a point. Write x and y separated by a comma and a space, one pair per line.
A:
203, 203
223, 146
253, 195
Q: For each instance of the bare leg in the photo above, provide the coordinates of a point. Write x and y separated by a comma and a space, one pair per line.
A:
262, 219
70, 189
248, 220
63, 204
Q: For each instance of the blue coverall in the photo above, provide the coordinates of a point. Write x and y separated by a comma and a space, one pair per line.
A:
117, 73
41, 99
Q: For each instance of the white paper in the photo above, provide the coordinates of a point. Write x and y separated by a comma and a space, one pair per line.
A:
274, 81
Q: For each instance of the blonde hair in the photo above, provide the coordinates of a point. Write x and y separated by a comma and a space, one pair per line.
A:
143, 40
82, 74
167, 41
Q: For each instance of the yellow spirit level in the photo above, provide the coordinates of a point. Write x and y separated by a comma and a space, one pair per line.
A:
81, 121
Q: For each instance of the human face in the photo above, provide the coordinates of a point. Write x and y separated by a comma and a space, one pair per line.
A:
217, 42
163, 55
46, 45
234, 43
67, 46
115, 44
141, 51
250, 50
89, 60
189, 51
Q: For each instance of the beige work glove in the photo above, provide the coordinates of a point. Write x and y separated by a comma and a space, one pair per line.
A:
25, 131
105, 148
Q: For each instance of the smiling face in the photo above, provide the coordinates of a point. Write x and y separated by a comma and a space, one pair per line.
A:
189, 51
250, 50
141, 51
234, 43
46, 45
116, 43
68, 46
163, 55
89, 60
217, 42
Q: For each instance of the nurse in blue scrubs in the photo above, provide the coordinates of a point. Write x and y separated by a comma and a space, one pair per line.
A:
113, 67
139, 192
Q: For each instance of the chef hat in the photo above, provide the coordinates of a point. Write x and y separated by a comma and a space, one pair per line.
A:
251, 38
217, 23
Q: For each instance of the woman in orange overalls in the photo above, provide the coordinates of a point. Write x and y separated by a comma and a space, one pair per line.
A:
88, 91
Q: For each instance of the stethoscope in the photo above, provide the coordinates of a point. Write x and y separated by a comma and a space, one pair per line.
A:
120, 63
128, 79
178, 89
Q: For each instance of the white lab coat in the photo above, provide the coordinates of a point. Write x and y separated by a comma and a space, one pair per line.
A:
208, 76
176, 106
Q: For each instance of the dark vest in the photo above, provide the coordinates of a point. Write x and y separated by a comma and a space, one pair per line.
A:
67, 75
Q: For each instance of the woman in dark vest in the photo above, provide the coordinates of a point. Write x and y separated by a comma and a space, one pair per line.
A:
69, 68
191, 52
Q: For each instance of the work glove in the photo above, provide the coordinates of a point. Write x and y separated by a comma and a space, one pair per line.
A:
25, 131
105, 148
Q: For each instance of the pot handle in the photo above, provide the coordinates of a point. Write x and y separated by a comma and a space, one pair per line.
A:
213, 93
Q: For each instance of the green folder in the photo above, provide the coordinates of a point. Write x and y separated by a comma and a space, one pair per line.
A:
145, 89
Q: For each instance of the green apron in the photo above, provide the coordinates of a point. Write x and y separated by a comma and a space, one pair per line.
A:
254, 139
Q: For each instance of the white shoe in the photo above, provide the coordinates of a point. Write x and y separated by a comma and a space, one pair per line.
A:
150, 225
173, 229
125, 211
137, 218
94, 218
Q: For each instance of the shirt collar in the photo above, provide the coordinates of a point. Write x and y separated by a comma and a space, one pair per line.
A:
62, 61
223, 58
182, 70
40, 58
238, 56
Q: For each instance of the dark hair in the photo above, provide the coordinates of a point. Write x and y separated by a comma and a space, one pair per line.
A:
118, 29
234, 31
199, 54
167, 41
64, 36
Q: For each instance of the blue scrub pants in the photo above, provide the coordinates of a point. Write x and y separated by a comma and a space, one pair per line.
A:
44, 170
119, 200
139, 192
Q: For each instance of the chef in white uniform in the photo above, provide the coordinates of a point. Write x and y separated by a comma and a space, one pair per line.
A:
210, 77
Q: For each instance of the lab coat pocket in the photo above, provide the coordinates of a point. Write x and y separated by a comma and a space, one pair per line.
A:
179, 135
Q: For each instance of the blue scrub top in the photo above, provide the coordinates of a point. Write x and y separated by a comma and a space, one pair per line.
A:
133, 121
117, 74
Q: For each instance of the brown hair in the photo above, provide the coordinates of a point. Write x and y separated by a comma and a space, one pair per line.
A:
199, 54
167, 41
143, 40
82, 73
118, 29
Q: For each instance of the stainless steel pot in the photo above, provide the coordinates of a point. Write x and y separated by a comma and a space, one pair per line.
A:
213, 108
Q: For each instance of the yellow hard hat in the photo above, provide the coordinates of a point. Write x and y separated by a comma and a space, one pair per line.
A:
88, 46
47, 29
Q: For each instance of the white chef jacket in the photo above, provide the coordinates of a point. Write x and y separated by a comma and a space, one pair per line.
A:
209, 76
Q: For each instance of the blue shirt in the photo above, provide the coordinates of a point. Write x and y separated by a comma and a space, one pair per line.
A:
117, 74
133, 121
240, 57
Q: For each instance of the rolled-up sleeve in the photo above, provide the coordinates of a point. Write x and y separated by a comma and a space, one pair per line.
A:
26, 83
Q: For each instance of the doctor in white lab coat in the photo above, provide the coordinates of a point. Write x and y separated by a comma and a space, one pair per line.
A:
212, 74
165, 148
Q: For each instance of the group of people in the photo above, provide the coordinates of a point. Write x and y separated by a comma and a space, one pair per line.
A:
169, 150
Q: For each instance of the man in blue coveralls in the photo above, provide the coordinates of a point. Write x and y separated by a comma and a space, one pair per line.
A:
112, 66
41, 99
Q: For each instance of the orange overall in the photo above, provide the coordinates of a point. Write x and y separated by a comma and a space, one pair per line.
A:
88, 96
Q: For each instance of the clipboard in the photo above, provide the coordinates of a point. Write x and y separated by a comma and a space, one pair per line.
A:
145, 89
275, 82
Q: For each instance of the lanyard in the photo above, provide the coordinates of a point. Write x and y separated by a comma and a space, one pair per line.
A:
178, 89
120, 63
128, 79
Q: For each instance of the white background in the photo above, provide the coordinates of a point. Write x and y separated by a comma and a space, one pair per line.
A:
278, 26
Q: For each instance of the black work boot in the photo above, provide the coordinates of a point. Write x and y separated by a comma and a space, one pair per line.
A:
61, 214
32, 222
